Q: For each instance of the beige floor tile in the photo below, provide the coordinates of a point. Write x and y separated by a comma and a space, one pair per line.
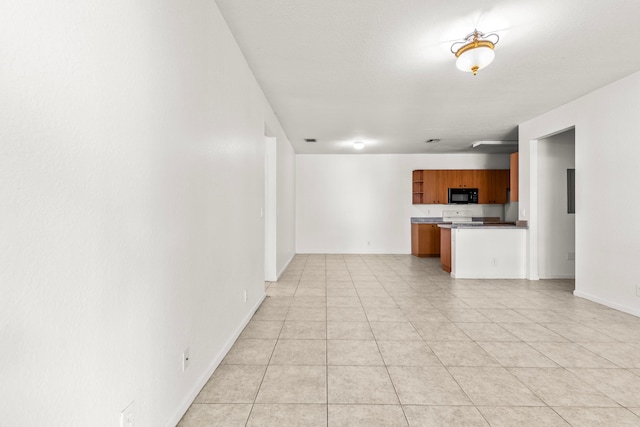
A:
577, 332
346, 314
486, 332
622, 354
319, 293
300, 352
532, 332
288, 415
544, 315
501, 416
635, 411
307, 314
366, 416
250, 352
274, 291
426, 386
349, 301
371, 290
460, 315
438, 331
295, 330
265, 329
377, 301
503, 315
271, 312
452, 416
396, 331
340, 292
598, 417
337, 284
349, 331
216, 415
571, 355
407, 353
385, 314
352, 352
618, 384
425, 315
517, 355
462, 354
635, 371
232, 384
293, 384
360, 385
494, 387
559, 387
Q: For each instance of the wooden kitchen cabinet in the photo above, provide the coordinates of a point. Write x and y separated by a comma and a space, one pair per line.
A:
461, 178
418, 186
445, 249
435, 188
431, 186
425, 240
514, 177
493, 188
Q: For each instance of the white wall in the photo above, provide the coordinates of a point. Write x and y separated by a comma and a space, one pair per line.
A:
131, 183
286, 205
361, 203
607, 131
556, 231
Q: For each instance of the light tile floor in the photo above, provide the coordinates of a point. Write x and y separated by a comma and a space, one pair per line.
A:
392, 340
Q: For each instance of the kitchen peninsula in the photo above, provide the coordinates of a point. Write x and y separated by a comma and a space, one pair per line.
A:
483, 251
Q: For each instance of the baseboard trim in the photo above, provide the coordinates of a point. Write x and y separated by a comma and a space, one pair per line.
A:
200, 383
606, 303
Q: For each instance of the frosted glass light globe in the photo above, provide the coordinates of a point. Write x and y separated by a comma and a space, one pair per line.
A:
474, 59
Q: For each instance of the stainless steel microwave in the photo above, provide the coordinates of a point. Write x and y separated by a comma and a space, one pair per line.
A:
463, 196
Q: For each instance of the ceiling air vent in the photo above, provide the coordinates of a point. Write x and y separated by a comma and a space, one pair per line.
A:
310, 140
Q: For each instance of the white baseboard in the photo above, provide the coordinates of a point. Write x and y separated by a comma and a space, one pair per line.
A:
200, 383
606, 303
285, 267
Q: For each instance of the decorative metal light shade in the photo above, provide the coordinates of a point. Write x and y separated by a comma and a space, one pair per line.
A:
475, 51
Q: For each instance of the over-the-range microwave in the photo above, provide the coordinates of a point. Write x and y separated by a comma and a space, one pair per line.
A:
463, 196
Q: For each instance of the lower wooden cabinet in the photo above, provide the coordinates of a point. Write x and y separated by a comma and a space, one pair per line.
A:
445, 249
425, 240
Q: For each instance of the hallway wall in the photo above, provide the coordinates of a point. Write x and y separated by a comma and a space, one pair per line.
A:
131, 186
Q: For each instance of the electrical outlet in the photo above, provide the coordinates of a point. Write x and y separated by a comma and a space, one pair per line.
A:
186, 360
495, 261
369, 243
127, 416
245, 295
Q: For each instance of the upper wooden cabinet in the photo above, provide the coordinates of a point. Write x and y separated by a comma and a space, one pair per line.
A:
434, 189
514, 177
431, 186
494, 189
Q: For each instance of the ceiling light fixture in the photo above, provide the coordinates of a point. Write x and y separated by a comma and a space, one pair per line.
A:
358, 145
475, 51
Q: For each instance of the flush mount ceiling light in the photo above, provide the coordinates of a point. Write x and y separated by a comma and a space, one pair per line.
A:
475, 51
358, 145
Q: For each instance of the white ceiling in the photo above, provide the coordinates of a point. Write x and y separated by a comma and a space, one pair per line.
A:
381, 71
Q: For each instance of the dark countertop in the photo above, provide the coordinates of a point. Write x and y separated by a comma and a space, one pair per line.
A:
438, 220
503, 225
